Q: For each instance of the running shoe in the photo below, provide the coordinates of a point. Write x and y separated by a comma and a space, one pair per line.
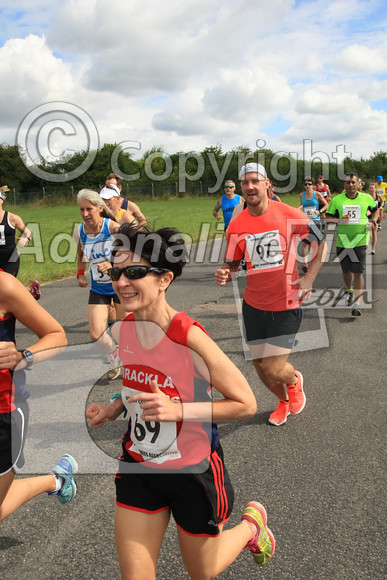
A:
66, 468
114, 373
356, 310
379, 227
262, 546
372, 252
296, 394
304, 268
280, 414
349, 296
35, 289
115, 365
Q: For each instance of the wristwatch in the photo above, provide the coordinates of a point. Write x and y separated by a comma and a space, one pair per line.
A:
29, 357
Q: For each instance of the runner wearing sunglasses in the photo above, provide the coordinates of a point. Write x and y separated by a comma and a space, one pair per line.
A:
228, 202
172, 461
312, 204
94, 239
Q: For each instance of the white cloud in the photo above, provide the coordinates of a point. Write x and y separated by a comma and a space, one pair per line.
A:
30, 75
362, 59
190, 74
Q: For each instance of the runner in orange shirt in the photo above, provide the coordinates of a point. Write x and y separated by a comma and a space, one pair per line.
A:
265, 234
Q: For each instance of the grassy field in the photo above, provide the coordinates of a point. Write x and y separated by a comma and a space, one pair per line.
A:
52, 253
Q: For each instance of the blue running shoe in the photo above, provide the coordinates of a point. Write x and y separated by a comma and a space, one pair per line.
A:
66, 468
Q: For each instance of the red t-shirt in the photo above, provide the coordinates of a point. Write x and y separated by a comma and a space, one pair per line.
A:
268, 244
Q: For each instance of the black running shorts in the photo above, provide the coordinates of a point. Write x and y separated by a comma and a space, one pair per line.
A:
352, 259
13, 430
199, 501
95, 298
278, 328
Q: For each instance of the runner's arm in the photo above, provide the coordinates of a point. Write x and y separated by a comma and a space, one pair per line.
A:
81, 265
127, 218
141, 219
323, 202
18, 223
216, 209
319, 250
15, 299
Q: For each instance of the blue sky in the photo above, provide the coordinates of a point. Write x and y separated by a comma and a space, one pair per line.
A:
187, 75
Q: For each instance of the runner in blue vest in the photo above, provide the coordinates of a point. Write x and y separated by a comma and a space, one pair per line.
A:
312, 204
227, 202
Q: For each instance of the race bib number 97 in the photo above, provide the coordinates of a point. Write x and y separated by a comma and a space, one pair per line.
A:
264, 250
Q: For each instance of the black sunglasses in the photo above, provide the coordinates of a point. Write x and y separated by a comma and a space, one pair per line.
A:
308, 183
134, 272
229, 186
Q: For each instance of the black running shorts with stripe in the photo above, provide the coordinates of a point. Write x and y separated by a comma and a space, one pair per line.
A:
200, 500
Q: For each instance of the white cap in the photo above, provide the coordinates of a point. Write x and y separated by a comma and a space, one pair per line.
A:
253, 168
109, 192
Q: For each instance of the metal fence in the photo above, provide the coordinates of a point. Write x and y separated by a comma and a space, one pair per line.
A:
64, 195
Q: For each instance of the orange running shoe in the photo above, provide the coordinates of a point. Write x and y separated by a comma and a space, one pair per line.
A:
296, 394
279, 415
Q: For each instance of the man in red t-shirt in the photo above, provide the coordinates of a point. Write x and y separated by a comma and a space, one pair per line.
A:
265, 233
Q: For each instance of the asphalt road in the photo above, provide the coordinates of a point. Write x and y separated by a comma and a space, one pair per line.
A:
320, 475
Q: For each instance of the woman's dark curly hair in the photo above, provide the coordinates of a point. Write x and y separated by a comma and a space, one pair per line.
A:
163, 248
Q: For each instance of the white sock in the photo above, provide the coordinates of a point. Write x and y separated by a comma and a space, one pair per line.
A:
59, 481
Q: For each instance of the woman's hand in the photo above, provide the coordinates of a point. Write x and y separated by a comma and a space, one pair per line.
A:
22, 242
82, 282
156, 406
9, 355
103, 267
98, 414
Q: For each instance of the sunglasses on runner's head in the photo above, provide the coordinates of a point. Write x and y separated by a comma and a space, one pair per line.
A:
134, 272
229, 186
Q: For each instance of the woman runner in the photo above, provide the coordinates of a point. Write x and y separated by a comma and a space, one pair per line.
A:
9, 257
16, 303
94, 237
172, 461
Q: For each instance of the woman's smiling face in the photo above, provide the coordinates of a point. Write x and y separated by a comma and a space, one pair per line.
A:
141, 293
